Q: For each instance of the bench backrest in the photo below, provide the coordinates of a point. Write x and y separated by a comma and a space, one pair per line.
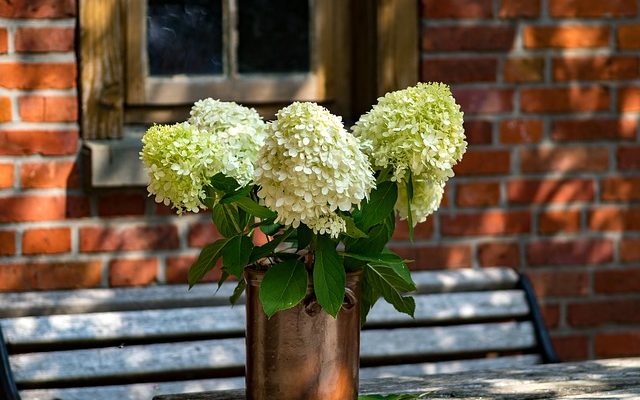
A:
139, 342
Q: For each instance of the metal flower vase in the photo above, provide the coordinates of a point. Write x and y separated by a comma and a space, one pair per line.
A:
302, 353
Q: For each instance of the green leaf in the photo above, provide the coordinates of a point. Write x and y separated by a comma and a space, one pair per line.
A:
304, 236
380, 204
266, 249
385, 281
237, 292
227, 219
270, 229
235, 255
254, 208
236, 195
329, 276
206, 261
368, 299
352, 229
223, 278
225, 184
378, 237
284, 285
392, 266
409, 200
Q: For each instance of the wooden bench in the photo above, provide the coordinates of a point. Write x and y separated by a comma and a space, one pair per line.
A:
135, 343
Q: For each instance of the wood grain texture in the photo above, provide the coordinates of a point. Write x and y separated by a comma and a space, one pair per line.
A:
604, 379
227, 354
102, 69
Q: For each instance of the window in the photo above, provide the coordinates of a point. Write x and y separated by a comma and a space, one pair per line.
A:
145, 61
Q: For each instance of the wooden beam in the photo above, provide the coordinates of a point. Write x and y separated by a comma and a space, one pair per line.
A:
102, 69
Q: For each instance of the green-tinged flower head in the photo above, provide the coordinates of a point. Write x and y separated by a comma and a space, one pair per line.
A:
417, 130
181, 159
310, 167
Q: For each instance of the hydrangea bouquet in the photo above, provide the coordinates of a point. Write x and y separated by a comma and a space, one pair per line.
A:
327, 199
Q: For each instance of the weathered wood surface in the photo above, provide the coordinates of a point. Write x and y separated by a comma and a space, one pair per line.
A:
604, 379
148, 390
225, 354
230, 321
172, 296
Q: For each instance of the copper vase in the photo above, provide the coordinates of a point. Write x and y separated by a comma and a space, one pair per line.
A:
303, 353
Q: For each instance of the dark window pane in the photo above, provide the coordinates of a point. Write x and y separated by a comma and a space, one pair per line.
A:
184, 37
273, 36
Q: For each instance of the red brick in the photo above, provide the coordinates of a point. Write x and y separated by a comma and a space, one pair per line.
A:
567, 221
37, 75
617, 281
202, 234
436, 257
478, 194
521, 131
629, 37
459, 70
499, 254
161, 209
564, 159
614, 219
420, 232
551, 315
133, 272
519, 8
121, 204
47, 143
48, 108
550, 191
5, 109
572, 99
53, 275
4, 40
46, 241
593, 8
559, 283
6, 175
630, 249
178, 269
620, 189
486, 223
484, 101
484, 162
42, 208
629, 158
478, 132
629, 99
574, 252
38, 8
617, 344
571, 347
472, 38
565, 37
37, 40
7, 243
604, 312
50, 174
128, 238
524, 70
595, 68
434, 9
594, 129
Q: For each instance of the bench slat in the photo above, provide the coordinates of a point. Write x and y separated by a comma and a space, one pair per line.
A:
171, 296
148, 390
229, 353
230, 321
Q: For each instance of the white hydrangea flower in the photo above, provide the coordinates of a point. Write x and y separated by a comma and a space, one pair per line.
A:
418, 129
310, 167
181, 159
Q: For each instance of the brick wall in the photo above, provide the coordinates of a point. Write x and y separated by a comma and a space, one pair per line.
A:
551, 182
550, 185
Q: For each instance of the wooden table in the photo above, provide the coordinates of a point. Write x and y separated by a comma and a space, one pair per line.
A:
602, 379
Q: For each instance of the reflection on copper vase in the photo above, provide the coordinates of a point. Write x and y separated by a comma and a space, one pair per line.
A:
303, 353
